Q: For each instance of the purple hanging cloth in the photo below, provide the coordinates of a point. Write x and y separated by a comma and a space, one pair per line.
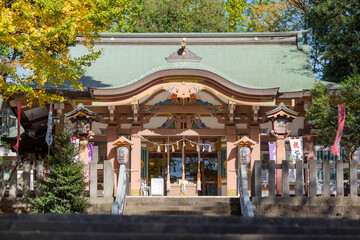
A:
272, 151
90, 154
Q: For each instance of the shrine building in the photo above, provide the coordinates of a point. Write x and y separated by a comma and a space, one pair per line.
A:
186, 101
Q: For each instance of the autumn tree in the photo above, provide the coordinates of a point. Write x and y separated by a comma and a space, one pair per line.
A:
277, 15
236, 15
35, 36
181, 16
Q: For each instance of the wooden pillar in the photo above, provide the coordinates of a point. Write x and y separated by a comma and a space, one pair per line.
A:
231, 161
111, 153
340, 178
108, 181
39, 176
13, 182
135, 185
255, 152
93, 179
285, 178
2, 183
26, 179
280, 156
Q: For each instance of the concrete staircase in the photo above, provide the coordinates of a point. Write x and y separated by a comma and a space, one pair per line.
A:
106, 227
209, 206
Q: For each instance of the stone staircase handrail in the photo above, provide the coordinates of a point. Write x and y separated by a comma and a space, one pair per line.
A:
243, 190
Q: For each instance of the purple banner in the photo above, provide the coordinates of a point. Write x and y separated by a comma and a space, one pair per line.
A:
272, 151
91, 152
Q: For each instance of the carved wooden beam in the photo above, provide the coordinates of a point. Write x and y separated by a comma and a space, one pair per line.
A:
231, 111
255, 112
111, 114
136, 111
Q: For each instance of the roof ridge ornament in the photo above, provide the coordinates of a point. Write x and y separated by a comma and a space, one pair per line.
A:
183, 54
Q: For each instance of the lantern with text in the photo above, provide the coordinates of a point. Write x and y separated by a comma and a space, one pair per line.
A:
280, 117
83, 119
123, 149
244, 144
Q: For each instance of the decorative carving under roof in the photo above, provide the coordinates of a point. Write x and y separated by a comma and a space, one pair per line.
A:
183, 89
122, 141
183, 55
245, 141
82, 112
282, 111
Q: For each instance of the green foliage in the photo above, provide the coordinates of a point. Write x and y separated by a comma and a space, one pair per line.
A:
324, 113
64, 186
336, 38
180, 16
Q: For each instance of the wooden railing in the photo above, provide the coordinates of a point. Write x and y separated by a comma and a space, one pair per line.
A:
21, 186
306, 183
107, 183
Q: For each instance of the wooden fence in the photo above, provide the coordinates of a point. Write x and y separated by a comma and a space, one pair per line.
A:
24, 186
306, 183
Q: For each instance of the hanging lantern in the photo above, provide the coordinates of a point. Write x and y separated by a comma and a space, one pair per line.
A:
83, 118
280, 117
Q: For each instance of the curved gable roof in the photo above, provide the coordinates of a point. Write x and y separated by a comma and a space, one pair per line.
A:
257, 61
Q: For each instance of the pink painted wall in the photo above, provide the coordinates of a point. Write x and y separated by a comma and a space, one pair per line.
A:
111, 151
231, 187
135, 162
84, 157
255, 149
280, 156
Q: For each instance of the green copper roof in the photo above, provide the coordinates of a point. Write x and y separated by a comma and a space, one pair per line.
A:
245, 60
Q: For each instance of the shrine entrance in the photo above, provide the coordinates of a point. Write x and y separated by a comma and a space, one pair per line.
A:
196, 162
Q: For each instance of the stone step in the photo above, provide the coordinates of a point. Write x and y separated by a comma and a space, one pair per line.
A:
213, 206
172, 204
180, 227
166, 236
183, 212
77, 226
185, 199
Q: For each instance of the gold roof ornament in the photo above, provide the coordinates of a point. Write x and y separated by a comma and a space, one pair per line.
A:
123, 141
245, 141
183, 42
